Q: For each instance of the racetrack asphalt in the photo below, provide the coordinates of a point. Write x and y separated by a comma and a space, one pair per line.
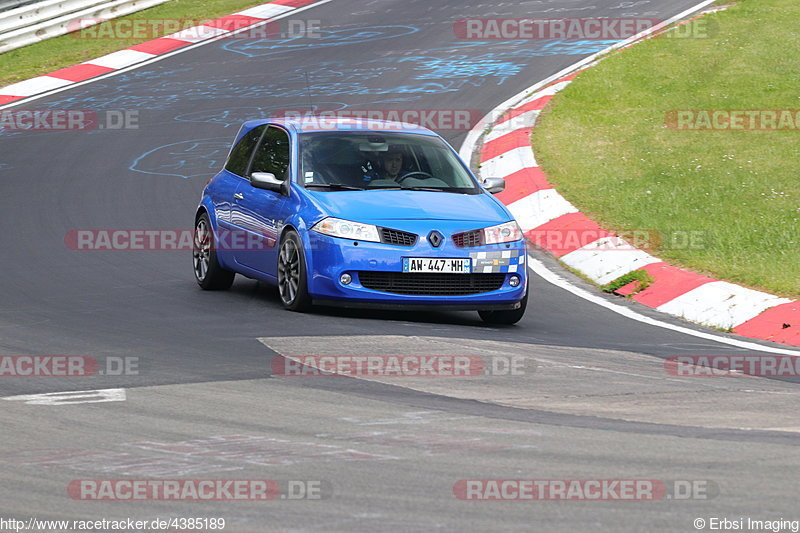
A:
604, 409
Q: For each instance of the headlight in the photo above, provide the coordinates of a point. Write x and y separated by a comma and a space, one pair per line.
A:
508, 232
336, 227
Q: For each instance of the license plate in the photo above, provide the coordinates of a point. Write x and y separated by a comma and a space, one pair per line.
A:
445, 266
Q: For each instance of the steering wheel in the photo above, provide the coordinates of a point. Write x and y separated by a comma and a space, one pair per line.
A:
425, 174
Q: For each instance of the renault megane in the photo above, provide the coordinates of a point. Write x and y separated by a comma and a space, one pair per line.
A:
361, 214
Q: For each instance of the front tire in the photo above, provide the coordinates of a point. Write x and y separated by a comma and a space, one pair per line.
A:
207, 270
509, 317
292, 277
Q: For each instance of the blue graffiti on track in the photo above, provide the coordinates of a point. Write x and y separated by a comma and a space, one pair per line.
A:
446, 69
185, 159
120, 97
234, 116
525, 49
435, 68
265, 47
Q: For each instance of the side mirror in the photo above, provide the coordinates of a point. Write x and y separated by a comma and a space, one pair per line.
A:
268, 181
494, 185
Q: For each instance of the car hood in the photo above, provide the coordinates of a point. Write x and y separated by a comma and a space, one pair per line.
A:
371, 206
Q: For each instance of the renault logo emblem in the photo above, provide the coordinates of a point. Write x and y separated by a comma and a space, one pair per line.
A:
435, 238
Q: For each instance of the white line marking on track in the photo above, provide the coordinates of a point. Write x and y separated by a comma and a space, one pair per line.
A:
504, 128
721, 304
120, 59
266, 11
196, 34
34, 85
551, 277
540, 208
71, 397
509, 162
606, 259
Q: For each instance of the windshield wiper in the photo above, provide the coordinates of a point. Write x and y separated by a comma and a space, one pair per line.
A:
336, 186
394, 188
434, 189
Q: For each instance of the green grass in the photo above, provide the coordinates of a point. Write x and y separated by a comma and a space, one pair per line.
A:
644, 279
66, 50
604, 145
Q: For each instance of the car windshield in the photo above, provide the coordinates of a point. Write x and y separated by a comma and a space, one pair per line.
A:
337, 161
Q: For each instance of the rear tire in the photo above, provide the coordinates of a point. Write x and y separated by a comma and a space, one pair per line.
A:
512, 316
207, 270
292, 277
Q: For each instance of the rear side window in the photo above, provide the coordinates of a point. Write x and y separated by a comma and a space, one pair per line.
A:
240, 155
273, 154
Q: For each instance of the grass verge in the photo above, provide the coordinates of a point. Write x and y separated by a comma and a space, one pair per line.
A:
60, 52
726, 203
641, 277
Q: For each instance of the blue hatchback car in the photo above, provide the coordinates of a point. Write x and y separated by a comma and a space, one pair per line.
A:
359, 213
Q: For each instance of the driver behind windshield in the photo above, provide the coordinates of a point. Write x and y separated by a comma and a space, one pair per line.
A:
357, 161
395, 171
392, 164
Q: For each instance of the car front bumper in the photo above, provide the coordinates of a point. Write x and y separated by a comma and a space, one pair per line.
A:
330, 257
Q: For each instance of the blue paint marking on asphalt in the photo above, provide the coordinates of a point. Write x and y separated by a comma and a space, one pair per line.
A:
184, 159
432, 68
229, 89
575, 47
501, 49
441, 70
149, 74
234, 116
122, 100
265, 47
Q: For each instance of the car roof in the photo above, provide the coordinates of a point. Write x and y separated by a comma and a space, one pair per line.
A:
312, 124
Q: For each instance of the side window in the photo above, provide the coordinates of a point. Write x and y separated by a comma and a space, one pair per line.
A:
240, 155
272, 154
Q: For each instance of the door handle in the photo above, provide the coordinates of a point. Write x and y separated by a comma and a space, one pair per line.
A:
239, 196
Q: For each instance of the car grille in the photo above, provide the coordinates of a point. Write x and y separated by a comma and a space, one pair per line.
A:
397, 237
468, 238
431, 284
